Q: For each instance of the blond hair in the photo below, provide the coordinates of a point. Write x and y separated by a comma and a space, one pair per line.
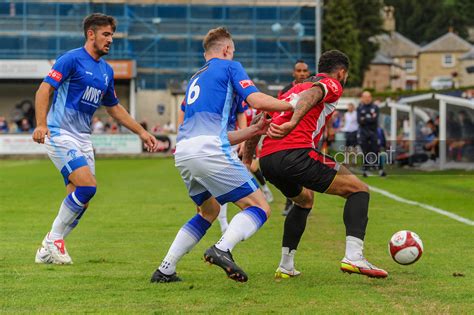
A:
215, 37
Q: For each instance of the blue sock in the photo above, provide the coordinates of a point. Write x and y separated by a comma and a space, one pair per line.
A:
188, 236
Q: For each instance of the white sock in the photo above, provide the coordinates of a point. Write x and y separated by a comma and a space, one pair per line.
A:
188, 236
243, 225
354, 248
68, 212
222, 218
287, 258
182, 244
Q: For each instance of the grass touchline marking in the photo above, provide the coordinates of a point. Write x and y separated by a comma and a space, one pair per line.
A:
428, 207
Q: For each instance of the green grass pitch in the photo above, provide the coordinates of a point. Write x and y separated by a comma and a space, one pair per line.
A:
141, 204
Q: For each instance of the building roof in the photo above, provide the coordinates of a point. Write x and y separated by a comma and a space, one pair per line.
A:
395, 45
448, 42
381, 59
469, 55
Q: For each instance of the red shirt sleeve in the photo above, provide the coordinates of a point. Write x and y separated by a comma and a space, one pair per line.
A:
332, 89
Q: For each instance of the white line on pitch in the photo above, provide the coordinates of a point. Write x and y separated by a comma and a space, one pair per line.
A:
428, 207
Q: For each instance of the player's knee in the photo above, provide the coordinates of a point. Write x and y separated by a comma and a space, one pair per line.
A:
85, 193
356, 186
266, 208
305, 199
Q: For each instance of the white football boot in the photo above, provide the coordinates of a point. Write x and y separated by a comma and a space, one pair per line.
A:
362, 267
282, 273
57, 251
43, 256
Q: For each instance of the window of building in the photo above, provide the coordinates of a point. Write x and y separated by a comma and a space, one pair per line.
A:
410, 65
448, 60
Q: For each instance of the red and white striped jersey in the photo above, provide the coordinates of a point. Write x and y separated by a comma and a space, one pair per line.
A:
311, 127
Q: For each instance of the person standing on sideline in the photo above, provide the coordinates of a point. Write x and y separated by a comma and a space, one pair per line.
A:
368, 119
350, 128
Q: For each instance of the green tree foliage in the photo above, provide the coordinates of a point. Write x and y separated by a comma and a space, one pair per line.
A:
340, 32
369, 23
424, 21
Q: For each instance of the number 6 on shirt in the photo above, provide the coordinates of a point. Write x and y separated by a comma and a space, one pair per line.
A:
194, 91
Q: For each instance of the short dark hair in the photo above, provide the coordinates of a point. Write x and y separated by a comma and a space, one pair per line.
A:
96, 20
333, 60
214, 36
299, 61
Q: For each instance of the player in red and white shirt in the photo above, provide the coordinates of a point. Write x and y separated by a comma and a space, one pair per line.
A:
290, 161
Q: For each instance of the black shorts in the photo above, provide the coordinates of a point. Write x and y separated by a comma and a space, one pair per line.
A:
351, 139
291, 170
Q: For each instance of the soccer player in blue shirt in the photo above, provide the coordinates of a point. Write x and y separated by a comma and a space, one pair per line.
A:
81, 81
237, 119
212, 172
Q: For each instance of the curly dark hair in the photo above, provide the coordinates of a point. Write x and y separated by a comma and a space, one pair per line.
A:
333, 60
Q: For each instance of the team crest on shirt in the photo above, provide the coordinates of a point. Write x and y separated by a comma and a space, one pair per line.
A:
106, 79
246, 83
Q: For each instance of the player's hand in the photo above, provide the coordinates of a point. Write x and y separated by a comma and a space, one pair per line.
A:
262, 125
247, 162
279, 131
151, 144
40, 133
240, 149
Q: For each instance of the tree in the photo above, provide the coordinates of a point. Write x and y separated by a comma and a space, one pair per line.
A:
339, 32
424, 21
369, 23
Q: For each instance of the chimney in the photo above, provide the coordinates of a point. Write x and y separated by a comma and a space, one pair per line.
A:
388, 16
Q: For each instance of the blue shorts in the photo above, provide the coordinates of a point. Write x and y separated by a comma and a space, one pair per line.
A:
69, 154
220, 174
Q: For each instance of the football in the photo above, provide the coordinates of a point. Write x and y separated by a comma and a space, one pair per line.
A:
405, 247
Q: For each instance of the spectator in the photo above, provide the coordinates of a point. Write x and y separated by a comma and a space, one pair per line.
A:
28, 112
13, 127
431, 141
367, 117
25, 126
111, 126
467, 127
350, 127
17, 115
98, 126
3, 125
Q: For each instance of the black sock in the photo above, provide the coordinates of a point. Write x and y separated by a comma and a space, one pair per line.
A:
258, 174
356, 214
295, 224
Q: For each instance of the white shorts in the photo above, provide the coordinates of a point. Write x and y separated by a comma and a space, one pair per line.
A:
68, 154
215, 171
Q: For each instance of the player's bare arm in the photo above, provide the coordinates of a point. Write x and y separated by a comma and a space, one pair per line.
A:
42, 97
123, 117
262, 101
241, 123
251, 144
308, 99
257, 129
